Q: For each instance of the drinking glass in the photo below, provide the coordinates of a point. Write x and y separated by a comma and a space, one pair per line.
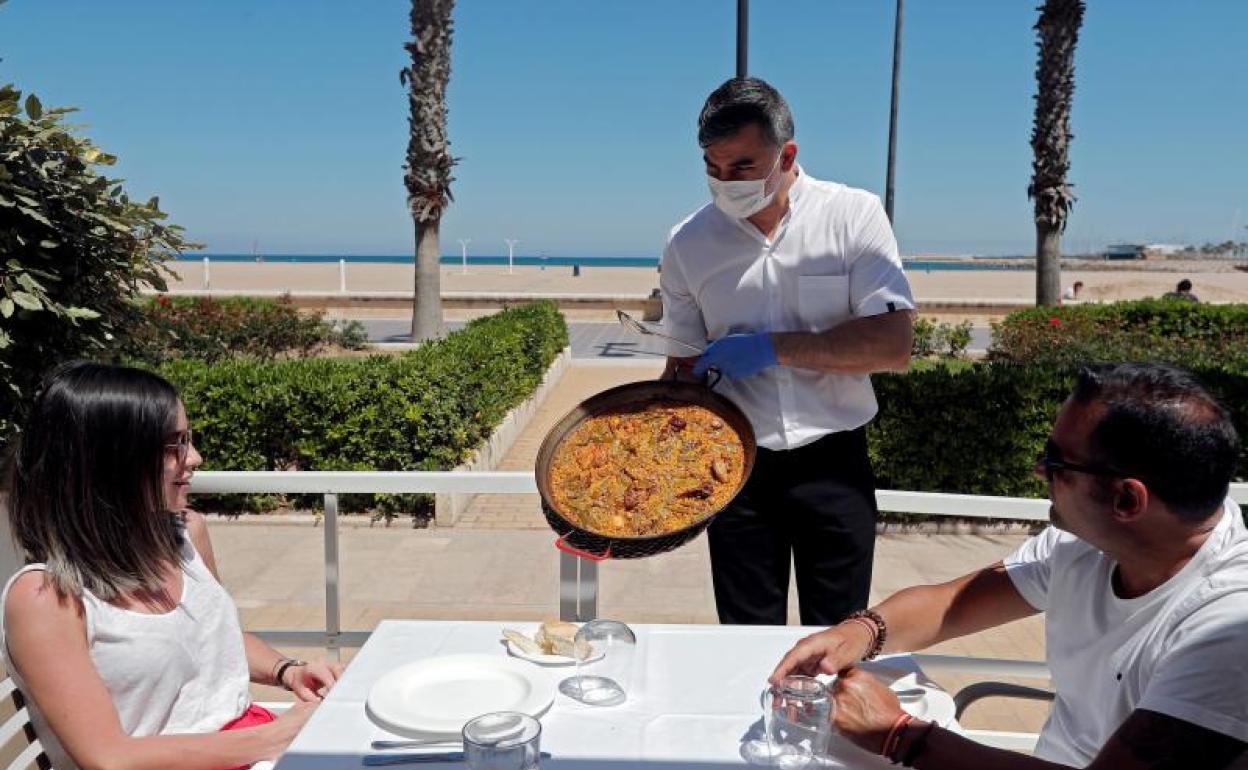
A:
797, 722
503, 740
604, 651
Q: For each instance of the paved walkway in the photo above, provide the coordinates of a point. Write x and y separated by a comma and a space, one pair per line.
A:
602, 341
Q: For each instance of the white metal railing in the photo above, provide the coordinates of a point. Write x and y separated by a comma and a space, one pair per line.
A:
578, 578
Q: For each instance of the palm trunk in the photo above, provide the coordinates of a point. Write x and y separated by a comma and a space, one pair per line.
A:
427, 292
1048, 264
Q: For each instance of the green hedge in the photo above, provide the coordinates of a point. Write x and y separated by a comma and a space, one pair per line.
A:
979, 429
1192, 335
209, 329
423, 410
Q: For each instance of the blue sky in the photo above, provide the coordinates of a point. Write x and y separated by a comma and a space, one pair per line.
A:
284, 123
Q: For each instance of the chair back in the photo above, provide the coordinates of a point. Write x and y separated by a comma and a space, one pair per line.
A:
19, 746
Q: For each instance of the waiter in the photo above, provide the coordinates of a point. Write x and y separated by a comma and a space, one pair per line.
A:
798, 286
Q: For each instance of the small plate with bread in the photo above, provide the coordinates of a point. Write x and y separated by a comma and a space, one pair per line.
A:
550, 643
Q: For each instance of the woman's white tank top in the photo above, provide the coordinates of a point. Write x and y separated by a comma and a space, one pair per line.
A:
184, 671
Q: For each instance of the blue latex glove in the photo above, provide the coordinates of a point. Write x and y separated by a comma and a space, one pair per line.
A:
738, 355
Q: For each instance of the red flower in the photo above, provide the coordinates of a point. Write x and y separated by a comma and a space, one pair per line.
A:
163, 300
1055, 321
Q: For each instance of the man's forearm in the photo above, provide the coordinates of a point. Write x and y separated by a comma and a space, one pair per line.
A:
946, 750
921, 616
862, 346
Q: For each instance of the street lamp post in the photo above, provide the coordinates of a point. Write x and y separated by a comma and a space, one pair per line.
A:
511, 246
463, 251
743, 37
892, 115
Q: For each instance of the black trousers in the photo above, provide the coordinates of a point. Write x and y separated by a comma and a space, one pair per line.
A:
814, 505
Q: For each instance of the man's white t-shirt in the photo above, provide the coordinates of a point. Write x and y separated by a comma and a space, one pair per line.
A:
832, 258
1180, 650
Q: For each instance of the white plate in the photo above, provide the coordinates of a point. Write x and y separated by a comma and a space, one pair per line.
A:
544, 659
438, 695
934, 705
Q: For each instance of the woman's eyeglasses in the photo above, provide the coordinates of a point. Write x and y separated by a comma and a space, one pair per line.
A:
1052, 462
182, 445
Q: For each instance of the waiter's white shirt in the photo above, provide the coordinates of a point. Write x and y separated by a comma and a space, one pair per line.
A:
832, 258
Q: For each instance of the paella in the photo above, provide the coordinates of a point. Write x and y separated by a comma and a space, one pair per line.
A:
646, 469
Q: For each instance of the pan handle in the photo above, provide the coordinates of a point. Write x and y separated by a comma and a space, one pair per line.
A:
562, 545
713, 376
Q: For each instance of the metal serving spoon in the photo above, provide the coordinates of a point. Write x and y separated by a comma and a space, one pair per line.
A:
632, 323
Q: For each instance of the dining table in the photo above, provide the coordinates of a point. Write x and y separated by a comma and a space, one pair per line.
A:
693, 699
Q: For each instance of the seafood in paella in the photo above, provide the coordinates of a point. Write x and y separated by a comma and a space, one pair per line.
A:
646, 469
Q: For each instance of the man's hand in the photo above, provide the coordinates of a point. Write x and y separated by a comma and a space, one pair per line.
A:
738, 355
826, 652
865, 709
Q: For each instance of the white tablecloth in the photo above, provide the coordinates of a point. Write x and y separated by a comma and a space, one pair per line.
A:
695, 695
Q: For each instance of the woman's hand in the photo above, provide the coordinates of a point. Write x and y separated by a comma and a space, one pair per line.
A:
311, 682
865, 709
283, 730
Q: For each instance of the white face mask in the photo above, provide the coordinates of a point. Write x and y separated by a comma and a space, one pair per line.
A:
745, 198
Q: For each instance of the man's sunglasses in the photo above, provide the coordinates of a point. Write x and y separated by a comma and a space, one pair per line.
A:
1052, 462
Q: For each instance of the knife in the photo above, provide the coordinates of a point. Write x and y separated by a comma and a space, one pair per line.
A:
406, 758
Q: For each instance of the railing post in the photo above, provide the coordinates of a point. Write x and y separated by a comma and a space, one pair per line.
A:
207, 275
342, 276
578, 588
333, 614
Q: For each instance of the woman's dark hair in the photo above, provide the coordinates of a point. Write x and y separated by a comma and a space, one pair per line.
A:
1161, 426
86, 496
738, 103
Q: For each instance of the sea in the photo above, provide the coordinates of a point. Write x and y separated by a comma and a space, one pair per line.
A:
916, 264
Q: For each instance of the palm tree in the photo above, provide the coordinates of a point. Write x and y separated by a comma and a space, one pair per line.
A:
1058, 32
427, 173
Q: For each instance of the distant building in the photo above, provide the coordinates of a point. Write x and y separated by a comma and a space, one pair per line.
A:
1124, 251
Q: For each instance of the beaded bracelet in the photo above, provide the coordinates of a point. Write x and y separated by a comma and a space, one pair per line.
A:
881, 631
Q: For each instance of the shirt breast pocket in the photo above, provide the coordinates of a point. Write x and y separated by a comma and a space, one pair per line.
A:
823, 301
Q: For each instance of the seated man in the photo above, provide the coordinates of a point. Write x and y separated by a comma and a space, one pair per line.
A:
1144, 579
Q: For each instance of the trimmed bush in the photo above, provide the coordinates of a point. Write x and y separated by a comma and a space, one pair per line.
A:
1187, 334
946, 340
978, 429
208, 329
423, 410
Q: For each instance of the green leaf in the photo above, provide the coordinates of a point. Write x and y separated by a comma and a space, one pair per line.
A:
27, 301
81, 312
28, 283
48, 244
35, 215
34, 107
6, 307
5, 339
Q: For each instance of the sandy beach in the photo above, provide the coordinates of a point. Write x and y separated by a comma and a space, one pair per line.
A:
1212, 281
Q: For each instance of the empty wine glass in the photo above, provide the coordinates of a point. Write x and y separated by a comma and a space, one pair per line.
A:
797, 722
604, 652
503, 740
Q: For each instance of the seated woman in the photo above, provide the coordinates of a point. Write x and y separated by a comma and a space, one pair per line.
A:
126, 646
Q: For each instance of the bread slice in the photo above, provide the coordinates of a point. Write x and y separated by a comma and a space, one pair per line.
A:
523, 642
556, 637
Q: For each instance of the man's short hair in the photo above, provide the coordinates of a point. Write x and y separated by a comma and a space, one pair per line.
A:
738, 103
1185, 285
1078, 284
1162, 427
